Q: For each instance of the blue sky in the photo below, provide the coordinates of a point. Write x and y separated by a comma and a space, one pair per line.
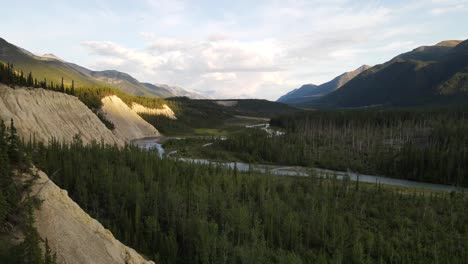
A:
231, 49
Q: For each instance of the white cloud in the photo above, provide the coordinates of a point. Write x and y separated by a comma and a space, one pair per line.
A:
231, 68
440, 7
268, 50
245, 62
220, 76
219, 36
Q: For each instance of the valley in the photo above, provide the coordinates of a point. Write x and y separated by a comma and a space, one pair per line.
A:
299, 171
97, 169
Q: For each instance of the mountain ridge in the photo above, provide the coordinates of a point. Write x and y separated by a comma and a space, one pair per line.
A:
53, 68
425, 75
311, 92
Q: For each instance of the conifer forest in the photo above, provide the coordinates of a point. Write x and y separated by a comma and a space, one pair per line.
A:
177, 212
428, 144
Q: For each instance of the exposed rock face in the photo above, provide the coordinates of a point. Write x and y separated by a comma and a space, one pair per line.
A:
128, 124
165, 111
46, 114
72, 233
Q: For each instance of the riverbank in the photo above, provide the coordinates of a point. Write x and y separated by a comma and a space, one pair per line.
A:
299, 171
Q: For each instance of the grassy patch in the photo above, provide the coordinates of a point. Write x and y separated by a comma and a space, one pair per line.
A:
210, 131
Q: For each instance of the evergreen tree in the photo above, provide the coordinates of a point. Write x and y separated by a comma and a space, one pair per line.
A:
30, 81
62, 87
49, 257
72, 90
3, 208
31, 251
13, 144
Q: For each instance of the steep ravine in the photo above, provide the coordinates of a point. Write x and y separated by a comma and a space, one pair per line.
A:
72, 233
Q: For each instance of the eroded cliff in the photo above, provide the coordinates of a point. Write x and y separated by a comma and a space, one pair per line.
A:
72, 233
128, 124
46, 114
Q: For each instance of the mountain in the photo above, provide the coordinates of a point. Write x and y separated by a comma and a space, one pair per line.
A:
175, 91
426, 75
310, 92
51, 56
428, 53
42, 67
303, 93
54, 68
128, 84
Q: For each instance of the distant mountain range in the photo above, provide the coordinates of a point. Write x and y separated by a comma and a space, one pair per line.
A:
427, 75
310, 92
54, 68
435, 74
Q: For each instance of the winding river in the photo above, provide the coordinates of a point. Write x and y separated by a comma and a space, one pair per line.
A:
300, 171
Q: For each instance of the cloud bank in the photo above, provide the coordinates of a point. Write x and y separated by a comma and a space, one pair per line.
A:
265, 49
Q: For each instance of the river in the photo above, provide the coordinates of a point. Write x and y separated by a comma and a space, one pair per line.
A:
300, 171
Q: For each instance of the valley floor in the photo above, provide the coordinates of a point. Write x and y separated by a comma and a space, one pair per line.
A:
285, 170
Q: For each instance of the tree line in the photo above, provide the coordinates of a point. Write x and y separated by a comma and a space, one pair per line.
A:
12, 77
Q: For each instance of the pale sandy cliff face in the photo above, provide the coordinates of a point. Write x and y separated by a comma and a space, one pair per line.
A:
46, 114
128, 124
165, 111
72, 233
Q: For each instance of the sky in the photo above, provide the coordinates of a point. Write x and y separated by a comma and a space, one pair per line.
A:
231, 49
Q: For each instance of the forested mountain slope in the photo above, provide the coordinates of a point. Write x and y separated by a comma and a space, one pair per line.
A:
305, 92
310, 92
52, 68
427, 75
251, 107
45, 114
42, 67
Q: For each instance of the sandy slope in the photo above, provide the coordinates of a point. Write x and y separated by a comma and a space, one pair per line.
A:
165, 111
128, 124
47, 114
72, 233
